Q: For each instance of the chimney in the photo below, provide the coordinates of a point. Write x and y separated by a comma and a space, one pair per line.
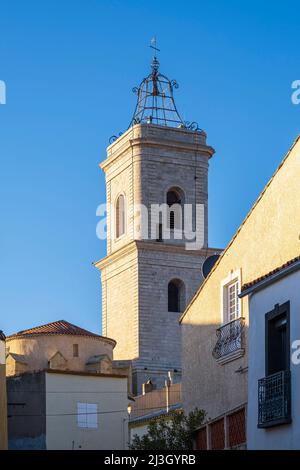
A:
147, 387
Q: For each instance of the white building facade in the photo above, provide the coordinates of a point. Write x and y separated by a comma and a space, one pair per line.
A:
274, 360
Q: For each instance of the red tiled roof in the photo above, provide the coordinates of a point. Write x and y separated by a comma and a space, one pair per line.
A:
271, 273
60, 327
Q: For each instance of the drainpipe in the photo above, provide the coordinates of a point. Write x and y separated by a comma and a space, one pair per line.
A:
168, 383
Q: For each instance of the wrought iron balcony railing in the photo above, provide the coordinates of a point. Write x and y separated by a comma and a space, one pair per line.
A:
230, 338
274, 399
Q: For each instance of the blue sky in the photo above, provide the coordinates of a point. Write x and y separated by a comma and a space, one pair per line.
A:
69, 68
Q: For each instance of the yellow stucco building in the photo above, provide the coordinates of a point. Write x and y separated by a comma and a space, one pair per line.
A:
215, 324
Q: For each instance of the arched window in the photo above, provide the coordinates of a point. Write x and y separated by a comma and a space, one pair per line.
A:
176, 296
120, 216
175, 201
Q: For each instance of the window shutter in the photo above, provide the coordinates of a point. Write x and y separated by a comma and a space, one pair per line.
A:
92, 416
81, 415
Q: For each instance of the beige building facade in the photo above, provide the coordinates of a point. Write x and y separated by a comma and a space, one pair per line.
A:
69, 411
94, 413
215, 324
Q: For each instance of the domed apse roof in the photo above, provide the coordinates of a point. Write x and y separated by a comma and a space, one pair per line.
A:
60, 327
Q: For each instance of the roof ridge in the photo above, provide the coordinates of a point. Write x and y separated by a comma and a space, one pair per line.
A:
280, 268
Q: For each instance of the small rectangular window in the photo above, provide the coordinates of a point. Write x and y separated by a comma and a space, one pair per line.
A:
87, 415
75, 350
231, 302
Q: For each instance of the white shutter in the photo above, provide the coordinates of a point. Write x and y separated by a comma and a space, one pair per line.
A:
92, 416
81, 415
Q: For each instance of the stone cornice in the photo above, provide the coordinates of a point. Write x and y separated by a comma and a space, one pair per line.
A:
140, 138
152, 246
116, 255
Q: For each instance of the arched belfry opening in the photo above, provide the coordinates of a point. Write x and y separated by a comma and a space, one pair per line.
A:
176, 296
175, 201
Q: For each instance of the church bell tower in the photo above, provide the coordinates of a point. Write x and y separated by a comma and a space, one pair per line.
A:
152, 270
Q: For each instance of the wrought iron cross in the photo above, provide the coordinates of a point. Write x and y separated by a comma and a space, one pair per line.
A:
153, 44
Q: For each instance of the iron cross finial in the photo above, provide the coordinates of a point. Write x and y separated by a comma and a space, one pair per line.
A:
155, 63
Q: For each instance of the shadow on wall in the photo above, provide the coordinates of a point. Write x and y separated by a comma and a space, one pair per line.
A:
215, 360
28, 443
214, 377
26, 401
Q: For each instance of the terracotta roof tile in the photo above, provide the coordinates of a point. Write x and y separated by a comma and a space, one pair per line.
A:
269, 274
60, 327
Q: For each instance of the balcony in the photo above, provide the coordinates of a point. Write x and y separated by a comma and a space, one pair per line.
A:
230, 341
274, 400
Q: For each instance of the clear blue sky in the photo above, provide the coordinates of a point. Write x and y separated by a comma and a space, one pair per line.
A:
69, 67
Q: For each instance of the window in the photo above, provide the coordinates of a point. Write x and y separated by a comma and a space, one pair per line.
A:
120, 216
230, 335
176, 296
232, 301
87, 415
277, 345
175, 203
75, 350
274, 390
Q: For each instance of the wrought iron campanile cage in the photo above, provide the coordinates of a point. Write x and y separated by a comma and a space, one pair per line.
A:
155, 101
156, 104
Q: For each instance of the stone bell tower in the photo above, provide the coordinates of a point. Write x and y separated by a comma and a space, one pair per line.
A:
151, 271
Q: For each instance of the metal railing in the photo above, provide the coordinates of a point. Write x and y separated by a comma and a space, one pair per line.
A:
274, 399
230, 338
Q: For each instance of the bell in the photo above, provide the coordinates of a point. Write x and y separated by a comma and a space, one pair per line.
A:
155, 89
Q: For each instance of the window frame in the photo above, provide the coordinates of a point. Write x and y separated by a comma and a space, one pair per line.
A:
277, 311
232, 296
233, 278
85, 419
75, 350
181, 290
